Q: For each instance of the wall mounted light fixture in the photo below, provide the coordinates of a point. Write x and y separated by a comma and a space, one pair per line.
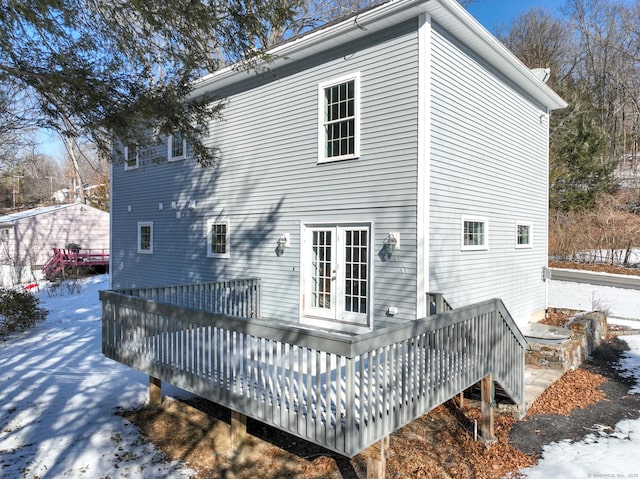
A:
282, 243
389, 245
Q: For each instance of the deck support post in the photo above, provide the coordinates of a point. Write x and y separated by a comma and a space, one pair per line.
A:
238, 430
155, 391
487, 402
376, 460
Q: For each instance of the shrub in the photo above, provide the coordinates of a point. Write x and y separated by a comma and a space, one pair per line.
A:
19, 310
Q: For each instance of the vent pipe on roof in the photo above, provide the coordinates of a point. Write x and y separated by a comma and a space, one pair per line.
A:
542, 74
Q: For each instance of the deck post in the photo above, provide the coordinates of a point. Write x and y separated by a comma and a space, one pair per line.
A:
155, 391
487, 401
376, 460
238, 430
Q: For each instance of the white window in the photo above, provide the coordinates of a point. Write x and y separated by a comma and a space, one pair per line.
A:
524, 237
475, 234
4, 234
177, 147
339, 119
131, 157
337, 272
145, 237
218, 239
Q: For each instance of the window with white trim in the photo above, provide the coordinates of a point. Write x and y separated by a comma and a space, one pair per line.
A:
4, 234
339, 119
177, 146
337, 272
218, 239
475, 233
524, 237
145, 237
130, 157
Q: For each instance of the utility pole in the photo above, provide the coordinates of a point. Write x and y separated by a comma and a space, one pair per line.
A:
51, 199
16, 188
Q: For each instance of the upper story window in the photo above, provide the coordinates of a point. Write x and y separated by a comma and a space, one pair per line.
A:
218, 239
524, 235
339, 119
475, 233
4, 234
130, 156
145, 237
177, 147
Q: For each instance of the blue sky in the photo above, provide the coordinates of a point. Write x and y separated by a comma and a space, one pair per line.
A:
493, 13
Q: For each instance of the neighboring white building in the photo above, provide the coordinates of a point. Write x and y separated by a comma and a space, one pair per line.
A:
27, 238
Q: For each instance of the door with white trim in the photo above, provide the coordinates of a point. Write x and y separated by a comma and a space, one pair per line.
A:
338, 273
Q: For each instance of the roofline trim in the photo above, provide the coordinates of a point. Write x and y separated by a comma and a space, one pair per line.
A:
448, 13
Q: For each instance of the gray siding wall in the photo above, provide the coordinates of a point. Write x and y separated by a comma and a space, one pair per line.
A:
489, 159
267, 181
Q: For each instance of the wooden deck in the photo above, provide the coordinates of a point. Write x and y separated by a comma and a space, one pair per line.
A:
67, 261
343, 392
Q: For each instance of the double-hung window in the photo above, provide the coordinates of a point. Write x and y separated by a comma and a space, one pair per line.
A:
524, 235
339, 119
177, 147
338, 273
475, 234
145, 237
131, 156
218, 239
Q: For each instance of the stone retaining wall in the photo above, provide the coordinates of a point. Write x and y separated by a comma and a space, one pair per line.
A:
588, 332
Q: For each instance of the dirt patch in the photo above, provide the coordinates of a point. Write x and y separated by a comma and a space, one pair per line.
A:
439, 444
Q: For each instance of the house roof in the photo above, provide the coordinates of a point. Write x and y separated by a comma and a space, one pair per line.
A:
448, 13
9, 220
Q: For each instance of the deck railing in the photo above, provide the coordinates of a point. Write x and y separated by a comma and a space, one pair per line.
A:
239, 298
341, 392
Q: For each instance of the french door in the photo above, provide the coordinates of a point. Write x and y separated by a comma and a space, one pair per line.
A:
338, 273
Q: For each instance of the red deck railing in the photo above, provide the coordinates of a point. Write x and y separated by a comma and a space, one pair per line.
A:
72, 259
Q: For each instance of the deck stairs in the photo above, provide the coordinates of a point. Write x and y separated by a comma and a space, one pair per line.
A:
69, 261
342, 392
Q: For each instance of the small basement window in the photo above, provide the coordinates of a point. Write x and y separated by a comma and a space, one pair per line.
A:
475, 234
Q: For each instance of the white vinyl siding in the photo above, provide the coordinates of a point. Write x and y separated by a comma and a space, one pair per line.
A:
339, 119
268, 182
488, 159
145, 237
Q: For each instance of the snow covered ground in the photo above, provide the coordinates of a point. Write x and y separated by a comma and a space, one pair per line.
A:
59, 395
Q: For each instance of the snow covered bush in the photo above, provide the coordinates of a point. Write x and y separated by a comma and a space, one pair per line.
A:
19, 310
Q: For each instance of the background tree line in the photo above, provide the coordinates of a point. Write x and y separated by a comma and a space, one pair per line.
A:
592, 48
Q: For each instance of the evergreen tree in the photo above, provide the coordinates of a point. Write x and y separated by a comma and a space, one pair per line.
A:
104, 68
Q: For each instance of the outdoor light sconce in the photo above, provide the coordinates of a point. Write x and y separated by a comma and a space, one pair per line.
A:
282, 243
389, 245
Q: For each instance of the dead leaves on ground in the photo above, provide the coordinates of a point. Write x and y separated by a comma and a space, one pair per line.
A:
576, 389
439, 444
